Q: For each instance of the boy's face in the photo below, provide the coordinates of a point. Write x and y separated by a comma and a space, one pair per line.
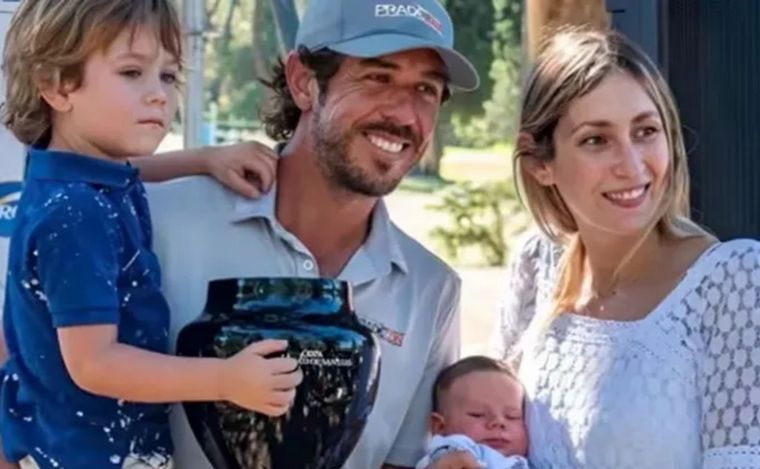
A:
127, 99
487, 406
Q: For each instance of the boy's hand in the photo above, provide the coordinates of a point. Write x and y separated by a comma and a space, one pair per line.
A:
264, 385
248, 168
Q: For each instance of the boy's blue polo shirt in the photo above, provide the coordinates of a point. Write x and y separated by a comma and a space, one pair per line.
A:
80, 255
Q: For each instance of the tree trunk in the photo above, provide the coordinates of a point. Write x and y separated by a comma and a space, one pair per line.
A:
215, 87
260, 68
544, 15
430, 164
286, 17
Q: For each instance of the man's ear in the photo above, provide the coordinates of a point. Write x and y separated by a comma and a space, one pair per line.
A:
301, 82
437, 423
55, 93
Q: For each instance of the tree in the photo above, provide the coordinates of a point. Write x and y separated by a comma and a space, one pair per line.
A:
473, 28
243, 44
503, 106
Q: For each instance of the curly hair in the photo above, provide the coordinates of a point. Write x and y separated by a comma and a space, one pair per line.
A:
49, 42
280, 116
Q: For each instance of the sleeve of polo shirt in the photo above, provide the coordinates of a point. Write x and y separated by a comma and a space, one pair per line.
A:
409, 445
75, 250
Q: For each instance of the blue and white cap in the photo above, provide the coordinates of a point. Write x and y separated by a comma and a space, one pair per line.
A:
371, 28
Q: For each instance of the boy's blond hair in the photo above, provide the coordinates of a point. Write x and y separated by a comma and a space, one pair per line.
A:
49, 42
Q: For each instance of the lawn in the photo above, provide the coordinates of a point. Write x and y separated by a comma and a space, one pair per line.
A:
482, 287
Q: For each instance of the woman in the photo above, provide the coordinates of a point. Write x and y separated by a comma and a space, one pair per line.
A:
639, 345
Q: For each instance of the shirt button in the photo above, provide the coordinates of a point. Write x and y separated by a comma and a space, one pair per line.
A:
308, 265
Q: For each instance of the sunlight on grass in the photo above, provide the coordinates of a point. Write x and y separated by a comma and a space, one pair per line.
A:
477, 165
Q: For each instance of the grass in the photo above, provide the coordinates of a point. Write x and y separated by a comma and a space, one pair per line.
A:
483, 288
411, 202
477, 165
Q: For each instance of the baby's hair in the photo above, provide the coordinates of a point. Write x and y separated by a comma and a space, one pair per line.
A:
463, 367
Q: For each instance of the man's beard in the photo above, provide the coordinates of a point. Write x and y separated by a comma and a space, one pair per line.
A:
331, 148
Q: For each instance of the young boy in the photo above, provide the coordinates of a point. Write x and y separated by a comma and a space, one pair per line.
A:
478, 407
89, 84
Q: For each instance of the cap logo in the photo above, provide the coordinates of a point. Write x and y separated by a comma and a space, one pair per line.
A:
394, 10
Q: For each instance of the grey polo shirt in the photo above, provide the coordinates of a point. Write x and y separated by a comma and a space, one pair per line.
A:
404, 293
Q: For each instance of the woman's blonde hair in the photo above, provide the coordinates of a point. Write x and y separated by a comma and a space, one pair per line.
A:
49, 42
572, 63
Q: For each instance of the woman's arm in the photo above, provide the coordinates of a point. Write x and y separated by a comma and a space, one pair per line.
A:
729, 384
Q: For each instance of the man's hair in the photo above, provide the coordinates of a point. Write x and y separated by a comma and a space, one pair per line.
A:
465, 366
281, 115
49, 41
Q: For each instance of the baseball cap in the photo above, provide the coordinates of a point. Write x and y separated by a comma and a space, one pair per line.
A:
371, 28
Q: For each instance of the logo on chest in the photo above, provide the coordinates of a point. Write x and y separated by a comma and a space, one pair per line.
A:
384, 332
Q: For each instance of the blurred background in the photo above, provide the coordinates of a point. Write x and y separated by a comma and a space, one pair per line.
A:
460, 202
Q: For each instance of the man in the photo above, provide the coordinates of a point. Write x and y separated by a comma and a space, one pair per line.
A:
355, 108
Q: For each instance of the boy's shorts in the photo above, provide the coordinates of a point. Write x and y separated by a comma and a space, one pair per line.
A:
130, 463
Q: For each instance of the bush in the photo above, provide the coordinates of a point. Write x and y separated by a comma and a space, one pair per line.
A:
484, 217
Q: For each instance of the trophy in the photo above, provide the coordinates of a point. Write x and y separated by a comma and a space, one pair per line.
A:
339, 358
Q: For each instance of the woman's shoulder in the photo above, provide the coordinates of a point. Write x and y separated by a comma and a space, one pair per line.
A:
725, 274
730, 257
535, 248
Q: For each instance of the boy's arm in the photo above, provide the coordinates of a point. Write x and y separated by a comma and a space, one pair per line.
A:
100, 365
4, 356
7, 465
247, 168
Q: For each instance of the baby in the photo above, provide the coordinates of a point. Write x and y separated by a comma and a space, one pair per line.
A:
478, 407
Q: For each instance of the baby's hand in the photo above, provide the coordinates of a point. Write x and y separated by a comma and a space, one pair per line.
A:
456, 460
248, 168
265, 385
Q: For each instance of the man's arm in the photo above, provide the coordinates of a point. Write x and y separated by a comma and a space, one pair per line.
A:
408, 447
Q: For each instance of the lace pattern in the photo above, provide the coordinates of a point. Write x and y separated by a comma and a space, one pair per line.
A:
679, 388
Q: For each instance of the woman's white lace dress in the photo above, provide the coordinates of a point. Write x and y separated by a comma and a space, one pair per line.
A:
677, 389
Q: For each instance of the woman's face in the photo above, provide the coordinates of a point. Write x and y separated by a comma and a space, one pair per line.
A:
611, 159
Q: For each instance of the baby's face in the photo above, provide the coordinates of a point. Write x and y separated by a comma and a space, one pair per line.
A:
487, 406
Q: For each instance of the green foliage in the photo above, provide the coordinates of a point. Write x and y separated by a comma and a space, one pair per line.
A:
474, 30
493, 120
243, 41
483, 217
239, 45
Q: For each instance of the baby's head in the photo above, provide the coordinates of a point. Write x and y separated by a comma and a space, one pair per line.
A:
103, 69
481, 398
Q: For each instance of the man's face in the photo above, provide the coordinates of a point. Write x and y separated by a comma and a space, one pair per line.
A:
376, 119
